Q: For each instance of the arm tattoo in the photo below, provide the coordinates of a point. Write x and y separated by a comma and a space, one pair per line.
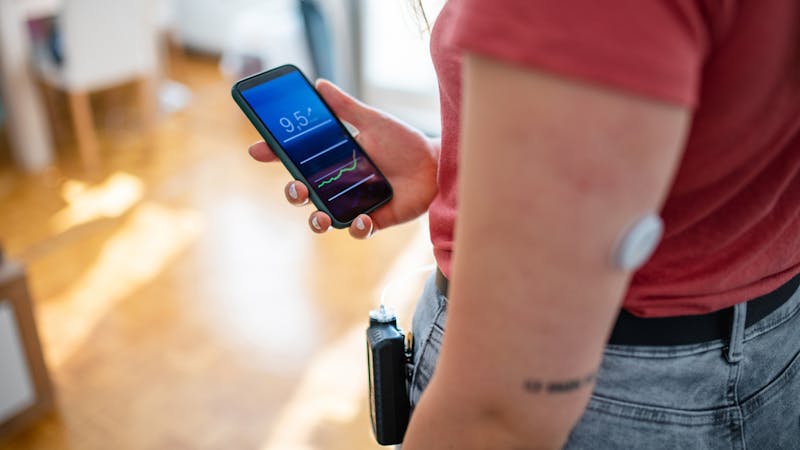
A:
535, 386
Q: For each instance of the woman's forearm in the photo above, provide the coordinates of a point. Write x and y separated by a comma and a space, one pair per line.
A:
443, 419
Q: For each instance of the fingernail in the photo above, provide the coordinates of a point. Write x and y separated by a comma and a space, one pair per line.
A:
293, 191
315, 223
360, 224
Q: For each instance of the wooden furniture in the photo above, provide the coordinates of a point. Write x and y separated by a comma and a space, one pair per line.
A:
25, 389
31, 143
104, 44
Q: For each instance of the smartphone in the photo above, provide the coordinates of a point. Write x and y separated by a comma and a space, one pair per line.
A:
312, 143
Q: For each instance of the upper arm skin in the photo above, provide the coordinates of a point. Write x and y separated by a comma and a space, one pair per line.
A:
551, 171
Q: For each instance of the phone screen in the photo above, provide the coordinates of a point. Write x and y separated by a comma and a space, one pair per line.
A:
332, 163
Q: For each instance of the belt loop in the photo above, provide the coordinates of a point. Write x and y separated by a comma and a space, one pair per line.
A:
734, 354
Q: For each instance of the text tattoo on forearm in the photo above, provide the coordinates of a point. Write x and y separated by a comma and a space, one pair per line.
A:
537, 386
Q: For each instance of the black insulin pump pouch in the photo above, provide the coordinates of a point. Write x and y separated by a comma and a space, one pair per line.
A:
386, 365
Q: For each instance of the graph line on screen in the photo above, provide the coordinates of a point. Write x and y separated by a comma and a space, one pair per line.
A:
349, 168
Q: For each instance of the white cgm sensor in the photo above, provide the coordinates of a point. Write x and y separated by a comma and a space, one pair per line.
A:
639, 242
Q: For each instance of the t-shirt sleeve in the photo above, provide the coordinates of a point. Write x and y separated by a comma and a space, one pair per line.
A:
650, 47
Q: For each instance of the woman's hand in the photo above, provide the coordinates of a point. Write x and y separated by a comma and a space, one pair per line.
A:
404, 155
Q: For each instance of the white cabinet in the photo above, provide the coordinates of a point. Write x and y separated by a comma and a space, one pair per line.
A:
16, 387
25, 389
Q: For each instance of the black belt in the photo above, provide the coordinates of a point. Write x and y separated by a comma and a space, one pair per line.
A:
441, 282
682, 330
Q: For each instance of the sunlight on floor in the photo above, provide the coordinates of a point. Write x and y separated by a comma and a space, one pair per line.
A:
260, 276
112, 198
133, 257
334, 387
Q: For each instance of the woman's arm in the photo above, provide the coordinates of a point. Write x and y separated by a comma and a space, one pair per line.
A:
552, 171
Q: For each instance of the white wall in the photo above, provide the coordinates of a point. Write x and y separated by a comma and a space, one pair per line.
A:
16, 388
398, 71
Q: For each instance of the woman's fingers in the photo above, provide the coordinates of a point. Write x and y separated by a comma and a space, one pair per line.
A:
319, 222
296, 193
260, 151
362, 227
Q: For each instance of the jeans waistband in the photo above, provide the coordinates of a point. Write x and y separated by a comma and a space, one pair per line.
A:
682, 330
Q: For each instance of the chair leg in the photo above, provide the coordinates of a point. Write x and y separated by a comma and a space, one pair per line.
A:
148, 110
85, 132
49, 94
148, 104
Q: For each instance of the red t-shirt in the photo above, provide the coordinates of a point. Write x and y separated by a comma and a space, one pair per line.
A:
732, 215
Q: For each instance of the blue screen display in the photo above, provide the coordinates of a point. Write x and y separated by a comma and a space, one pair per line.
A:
334, 166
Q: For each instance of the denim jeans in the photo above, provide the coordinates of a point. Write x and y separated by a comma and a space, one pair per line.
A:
742, 392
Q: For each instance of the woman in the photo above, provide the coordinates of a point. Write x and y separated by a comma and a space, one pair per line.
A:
562, 123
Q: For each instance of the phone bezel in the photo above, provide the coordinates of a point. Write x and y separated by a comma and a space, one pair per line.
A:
265, 77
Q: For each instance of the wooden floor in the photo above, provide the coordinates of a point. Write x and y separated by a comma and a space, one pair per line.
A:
182, 304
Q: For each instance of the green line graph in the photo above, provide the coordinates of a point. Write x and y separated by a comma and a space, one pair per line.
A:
349, 168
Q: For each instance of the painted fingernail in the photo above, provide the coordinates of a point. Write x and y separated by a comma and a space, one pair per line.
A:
315, 223
293, 191
360, 224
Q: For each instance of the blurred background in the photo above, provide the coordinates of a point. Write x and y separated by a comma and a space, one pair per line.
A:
156, 290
